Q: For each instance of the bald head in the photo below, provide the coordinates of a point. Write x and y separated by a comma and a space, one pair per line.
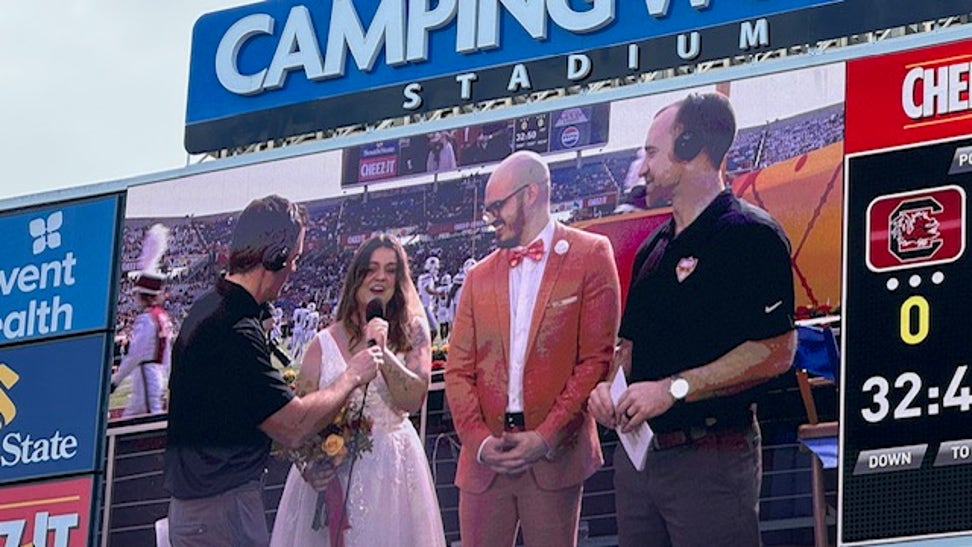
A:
521, 168
518, 198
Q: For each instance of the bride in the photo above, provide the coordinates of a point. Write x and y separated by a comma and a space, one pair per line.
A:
391, 500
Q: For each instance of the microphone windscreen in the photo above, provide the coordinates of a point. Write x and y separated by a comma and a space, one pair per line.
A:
375, 308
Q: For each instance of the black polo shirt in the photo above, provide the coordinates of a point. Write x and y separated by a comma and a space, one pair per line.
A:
221, 388
725, 279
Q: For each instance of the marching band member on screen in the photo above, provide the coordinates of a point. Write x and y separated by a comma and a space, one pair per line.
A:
150, 347
227, 399
534, 333
709, 316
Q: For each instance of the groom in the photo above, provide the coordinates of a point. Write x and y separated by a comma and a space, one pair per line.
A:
534, 333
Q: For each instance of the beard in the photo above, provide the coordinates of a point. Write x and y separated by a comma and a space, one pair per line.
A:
513, 229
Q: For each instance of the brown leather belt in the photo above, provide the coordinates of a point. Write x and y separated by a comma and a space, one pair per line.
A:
701, 436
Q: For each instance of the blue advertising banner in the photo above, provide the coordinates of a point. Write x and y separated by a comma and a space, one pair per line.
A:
56, 269
274, 53
280, 68
50, 400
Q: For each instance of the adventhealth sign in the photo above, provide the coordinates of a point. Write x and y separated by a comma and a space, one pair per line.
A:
56, 269
274, 55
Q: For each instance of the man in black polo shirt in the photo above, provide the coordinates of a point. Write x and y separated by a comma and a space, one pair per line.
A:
227, 400
709, 316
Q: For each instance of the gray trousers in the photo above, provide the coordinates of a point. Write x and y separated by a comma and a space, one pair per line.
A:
233, 518
699, 495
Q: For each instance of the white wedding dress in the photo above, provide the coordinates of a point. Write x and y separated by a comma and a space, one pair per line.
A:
392, 498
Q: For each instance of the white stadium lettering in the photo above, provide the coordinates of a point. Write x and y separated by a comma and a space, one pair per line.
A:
400, 30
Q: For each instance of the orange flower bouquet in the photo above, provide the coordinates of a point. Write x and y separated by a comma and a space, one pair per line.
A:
341, 441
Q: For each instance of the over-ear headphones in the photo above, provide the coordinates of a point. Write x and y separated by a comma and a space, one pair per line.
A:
275, 257
690, 142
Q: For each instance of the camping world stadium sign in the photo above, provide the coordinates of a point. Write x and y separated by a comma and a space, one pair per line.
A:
284, 67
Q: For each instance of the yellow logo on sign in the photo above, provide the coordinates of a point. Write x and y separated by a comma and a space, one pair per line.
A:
8, 410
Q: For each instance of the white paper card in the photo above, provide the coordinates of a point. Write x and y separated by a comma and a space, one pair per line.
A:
636, 442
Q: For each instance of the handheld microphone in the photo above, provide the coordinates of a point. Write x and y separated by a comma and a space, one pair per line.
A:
375, 308
285, 359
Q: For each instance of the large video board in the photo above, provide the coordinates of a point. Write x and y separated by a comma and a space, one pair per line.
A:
787, 153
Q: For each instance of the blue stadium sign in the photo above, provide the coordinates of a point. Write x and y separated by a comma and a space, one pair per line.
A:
285, 67
50, 400
56, 269
273, 54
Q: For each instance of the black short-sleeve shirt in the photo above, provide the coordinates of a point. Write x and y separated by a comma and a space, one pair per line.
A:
725, 279
222, 386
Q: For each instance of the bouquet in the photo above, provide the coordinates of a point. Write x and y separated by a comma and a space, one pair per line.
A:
439, 355
341, 441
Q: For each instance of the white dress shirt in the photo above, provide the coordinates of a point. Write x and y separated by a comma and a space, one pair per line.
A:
524, 285
524, 282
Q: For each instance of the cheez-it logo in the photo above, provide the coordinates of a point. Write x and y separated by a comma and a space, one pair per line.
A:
935, 89
917, 228
8, 410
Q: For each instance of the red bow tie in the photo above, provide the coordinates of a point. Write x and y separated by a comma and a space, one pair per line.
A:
534, 252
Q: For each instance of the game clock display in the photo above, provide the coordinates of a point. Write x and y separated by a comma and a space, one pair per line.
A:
906, 414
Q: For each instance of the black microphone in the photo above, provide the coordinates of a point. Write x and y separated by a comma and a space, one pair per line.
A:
275, 349
375, 308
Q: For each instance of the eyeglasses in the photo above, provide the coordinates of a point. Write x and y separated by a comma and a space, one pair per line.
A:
493, 209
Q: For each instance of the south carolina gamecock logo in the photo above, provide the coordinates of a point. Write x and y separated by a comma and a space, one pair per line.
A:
918, 228
914, 229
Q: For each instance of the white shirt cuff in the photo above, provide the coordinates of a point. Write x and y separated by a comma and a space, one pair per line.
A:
479, 453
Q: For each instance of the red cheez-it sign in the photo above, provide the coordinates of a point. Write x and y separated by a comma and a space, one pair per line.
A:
915, 96
54, 513
912, 229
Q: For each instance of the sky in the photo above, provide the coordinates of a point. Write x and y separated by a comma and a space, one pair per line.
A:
93, 90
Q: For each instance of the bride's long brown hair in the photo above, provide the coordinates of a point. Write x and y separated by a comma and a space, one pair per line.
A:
400, 309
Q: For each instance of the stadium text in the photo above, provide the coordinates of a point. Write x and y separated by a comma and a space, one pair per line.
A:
399, 29
928, 92
579, 66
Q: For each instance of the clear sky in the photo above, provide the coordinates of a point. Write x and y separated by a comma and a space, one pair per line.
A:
93, 90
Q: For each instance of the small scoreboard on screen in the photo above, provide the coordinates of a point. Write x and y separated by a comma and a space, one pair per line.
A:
906, 455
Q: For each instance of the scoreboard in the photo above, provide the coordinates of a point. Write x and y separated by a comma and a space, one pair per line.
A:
907, 389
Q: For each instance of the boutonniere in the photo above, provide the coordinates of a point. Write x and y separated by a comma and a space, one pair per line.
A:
561, 247
685, 267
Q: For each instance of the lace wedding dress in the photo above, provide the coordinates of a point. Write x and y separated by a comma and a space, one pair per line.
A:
392, 498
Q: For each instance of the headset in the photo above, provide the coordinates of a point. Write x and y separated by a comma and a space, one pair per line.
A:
275, 257
690, 142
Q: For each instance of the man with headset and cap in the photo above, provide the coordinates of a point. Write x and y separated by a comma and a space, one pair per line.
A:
149, 348
709, 316
227, 399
